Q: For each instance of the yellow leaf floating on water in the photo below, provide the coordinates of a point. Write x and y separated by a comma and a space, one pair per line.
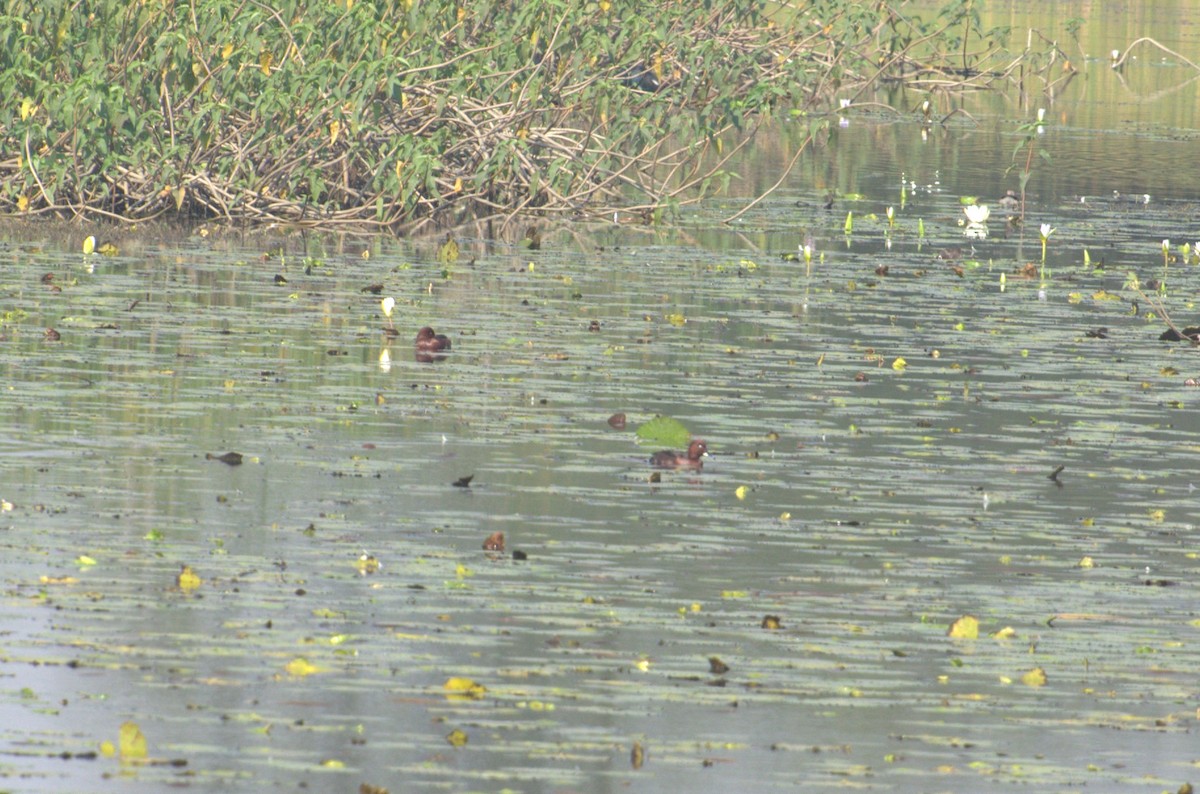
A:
58, 580
965, 628
677, 320
187, 580
333, 763
131, 742
457, 685
367, 564
1087, 562
899, 364
89, 244
1035, 677
300, 667
1006, 633
741, 492
457, 738
85, 561
1158, 515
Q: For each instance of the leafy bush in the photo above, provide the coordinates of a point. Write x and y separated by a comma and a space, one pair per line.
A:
384, 113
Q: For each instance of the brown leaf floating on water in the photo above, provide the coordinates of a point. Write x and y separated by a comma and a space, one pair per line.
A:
772, 623
617, 421
716, 666
52, 335
494, 542
374, 289
229, 458
463, 482
637, 756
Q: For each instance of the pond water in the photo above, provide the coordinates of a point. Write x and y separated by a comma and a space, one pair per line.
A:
882, 450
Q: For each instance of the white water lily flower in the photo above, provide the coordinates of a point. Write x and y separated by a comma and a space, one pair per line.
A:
1166, 246
387, 304
891, 213
977, 213
1041, 115
1046, 231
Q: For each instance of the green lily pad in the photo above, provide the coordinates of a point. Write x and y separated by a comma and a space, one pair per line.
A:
665, 430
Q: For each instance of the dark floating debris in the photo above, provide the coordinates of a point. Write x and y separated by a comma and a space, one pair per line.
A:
716, 666
463, 482
229, 458
1191, 333
280, 280
772, 623
1054, 475
1096, 333
519, 555
374, 289
52, 336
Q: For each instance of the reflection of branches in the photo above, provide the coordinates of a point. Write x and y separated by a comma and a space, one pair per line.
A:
1157, 95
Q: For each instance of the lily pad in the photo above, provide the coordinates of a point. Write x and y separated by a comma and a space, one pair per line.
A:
665, 430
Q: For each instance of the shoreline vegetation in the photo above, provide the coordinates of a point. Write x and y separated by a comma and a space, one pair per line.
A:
436, 112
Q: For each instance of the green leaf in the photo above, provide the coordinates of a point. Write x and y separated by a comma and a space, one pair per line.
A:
665, 430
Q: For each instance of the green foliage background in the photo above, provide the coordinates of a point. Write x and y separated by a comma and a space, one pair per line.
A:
388, 112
